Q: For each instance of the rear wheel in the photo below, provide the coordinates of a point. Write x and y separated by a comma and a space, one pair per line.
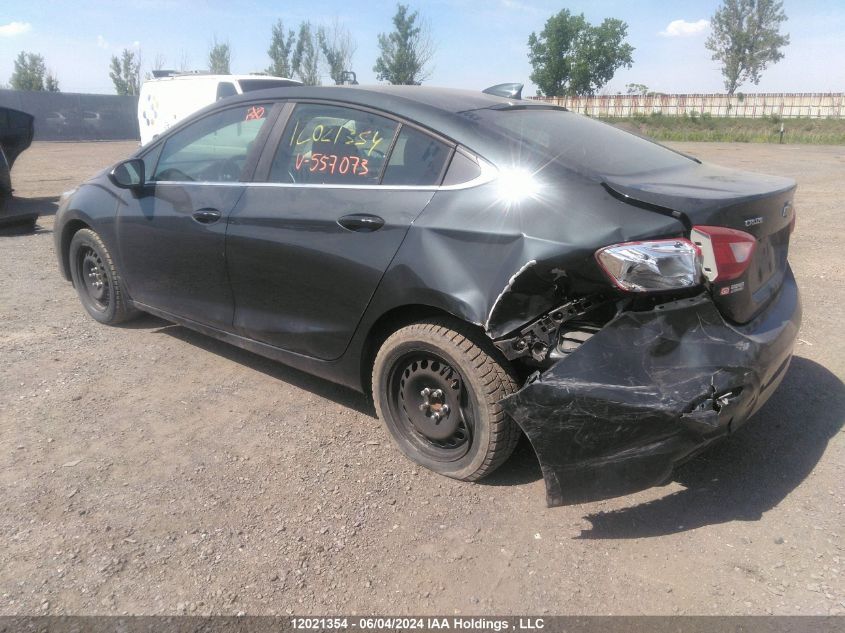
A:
96, 279
436, 387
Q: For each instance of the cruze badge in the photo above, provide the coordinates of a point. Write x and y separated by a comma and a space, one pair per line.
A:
753, 221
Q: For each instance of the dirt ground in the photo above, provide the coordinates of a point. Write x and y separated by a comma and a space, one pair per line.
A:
149, 470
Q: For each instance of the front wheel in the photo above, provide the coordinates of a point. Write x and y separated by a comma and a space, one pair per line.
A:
436, 387
96, 279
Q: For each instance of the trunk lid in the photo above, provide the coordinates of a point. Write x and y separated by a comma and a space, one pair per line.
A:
707, 195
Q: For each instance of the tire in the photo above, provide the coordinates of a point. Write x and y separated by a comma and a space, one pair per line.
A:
97, 280
473, 436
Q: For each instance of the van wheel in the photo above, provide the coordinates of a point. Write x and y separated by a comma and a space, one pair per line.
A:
96, 279
437, 387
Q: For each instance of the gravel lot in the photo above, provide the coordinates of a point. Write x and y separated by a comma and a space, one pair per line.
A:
150, 470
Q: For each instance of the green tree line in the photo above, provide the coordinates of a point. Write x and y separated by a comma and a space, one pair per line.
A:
569, 56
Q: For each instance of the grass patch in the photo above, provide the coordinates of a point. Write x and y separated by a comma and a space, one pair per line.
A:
695, 127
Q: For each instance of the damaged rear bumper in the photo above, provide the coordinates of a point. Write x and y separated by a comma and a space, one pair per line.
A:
650, 390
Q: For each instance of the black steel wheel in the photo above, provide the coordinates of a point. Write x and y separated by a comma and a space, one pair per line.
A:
431, 405
437, 387
96, 279
92, 271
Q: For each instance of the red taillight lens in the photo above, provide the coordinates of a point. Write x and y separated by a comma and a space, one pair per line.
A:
726, 252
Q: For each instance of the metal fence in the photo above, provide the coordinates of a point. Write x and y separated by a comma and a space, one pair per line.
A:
68, 116
817, 105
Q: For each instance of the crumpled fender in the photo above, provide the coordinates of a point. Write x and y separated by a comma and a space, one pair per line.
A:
648, 391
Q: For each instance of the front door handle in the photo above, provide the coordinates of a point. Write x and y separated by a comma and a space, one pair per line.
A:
361, 222
206, 216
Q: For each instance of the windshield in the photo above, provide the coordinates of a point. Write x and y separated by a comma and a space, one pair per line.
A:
580, 143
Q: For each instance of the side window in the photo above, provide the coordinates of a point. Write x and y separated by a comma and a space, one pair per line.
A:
225, 89
462, 169
213, 149
150, 159
417, 159
325, 144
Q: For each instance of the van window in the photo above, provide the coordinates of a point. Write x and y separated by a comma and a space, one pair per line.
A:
213, 149
325, 144
226, 89
248, 85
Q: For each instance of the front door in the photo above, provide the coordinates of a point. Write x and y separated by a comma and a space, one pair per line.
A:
172, 234
307, 248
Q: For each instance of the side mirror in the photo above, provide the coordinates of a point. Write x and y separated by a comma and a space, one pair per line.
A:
129, 174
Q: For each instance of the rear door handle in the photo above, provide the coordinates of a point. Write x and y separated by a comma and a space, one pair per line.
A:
361, 222
206, 216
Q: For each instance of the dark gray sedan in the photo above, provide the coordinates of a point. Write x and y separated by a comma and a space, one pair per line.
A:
483, 265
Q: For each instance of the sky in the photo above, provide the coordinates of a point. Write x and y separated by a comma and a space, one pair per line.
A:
478, 42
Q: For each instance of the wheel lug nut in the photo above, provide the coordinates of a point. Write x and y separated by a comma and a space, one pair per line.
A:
425, 392
424, 406
444, 409
438, 393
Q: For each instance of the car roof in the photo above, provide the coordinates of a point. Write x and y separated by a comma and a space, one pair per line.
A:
445, 99
211, 77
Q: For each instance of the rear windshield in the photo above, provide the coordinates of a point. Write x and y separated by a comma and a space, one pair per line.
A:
247, 85
580, 143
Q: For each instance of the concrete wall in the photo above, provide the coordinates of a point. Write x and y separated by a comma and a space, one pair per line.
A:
68, 116
785, 105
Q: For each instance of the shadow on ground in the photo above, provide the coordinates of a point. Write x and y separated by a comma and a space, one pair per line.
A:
521, 468
749, 473
319, 387
19, 215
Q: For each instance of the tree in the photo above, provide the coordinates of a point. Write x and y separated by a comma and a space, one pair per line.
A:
219, 57
125, 73
158, 64
281, 48
184, 61
636, 89
573, 57
51, 82
338, 47
306, 56
29, 72
746, 38
406, 51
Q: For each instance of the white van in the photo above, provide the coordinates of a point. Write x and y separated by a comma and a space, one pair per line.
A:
169, 96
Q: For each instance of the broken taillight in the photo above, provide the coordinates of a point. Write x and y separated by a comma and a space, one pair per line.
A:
726, 252
652, 265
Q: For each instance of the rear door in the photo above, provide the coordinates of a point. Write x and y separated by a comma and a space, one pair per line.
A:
307, 246
172, 234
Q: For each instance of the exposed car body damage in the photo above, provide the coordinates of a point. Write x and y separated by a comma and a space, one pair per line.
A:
537, 339
648, 391
507, 292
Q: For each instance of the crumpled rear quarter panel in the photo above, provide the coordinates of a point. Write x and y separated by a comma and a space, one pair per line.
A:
616, 415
